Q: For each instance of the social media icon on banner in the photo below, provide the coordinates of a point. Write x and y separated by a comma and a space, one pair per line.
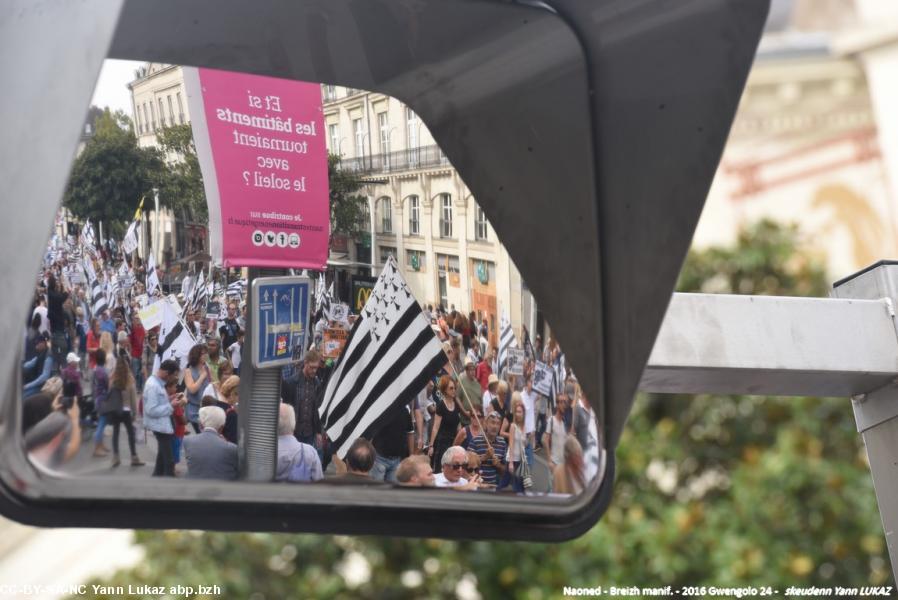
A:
270, 239
294, 240
282, 240
258, 238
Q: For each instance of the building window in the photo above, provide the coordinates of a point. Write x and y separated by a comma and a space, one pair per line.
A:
386, 212
161, 114
385, 253
414, 216
330, 93
171, 112
180, 109
411, 136
152, 116
446, 263
446, 216
415, 260
333, 134
384, 126
359, 137
480, 228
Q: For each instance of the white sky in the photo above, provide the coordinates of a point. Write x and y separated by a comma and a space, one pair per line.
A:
111, 89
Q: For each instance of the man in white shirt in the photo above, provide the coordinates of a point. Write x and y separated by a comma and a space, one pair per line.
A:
529, 398
454, 461
490, 394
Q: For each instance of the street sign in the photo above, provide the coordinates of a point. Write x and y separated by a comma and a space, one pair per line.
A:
280, 311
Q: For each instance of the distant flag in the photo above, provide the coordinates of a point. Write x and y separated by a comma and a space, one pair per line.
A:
200, 296
237, 288
130, 242
389, 356
152, 276
506, 341
528, 345
99, 302
175, 340
328, 301
139, 212
320, 292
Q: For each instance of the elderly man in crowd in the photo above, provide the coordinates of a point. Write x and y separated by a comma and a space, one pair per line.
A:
454, 463
491, 448
297, 461
415, 471
209, 455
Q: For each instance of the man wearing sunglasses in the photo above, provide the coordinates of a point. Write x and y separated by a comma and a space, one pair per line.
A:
454, 462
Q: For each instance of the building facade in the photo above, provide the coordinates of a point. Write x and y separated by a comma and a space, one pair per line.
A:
423, 213
159, 100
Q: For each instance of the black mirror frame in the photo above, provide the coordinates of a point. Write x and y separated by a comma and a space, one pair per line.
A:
514, 95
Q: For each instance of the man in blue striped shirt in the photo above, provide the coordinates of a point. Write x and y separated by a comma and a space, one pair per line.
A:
492, 454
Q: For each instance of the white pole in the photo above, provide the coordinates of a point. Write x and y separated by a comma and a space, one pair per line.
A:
372, 211
156, 237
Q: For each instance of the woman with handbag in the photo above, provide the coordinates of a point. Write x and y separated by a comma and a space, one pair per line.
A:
120, 407
518, 442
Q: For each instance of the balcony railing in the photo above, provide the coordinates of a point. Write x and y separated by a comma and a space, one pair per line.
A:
401, 160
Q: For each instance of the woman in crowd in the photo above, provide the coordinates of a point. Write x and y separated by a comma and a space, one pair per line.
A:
501, 406
149, 353
121, 406
228, 397
466, 434
445, 421
108, 347
569, 477
196, 378
214, 387
100, 387
517, 441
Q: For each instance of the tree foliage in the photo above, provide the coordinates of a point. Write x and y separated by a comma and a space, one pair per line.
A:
710, 490
182, 186
348, 208
112, 173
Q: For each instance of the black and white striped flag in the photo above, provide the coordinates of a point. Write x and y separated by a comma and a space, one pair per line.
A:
529, 352
506, 341
389, 356
175, 340
237, 288
199, 296
152, 276
98, 298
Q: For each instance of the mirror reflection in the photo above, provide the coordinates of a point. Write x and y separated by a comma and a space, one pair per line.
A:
419, 357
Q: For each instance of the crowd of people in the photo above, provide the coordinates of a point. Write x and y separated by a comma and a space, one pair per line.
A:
473, 427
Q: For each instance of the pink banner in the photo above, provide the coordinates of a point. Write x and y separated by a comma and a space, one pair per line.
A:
262, 151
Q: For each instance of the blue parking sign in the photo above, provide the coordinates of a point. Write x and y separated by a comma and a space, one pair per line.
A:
280, 312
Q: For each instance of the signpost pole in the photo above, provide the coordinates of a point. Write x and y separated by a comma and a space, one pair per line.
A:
260, 395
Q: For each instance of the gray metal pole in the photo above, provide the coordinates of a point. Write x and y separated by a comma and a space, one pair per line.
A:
260, 395
876, 413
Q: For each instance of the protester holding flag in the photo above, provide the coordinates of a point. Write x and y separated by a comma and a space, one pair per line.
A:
446, 421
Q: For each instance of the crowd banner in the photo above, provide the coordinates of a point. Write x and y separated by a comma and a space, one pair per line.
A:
542, 378
333, 342
516, 358
261, 146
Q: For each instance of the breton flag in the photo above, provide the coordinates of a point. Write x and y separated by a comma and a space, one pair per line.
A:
328, 301
198, 296
98, 298
130, 242
175, 340
506, 341
89, 239
152, 276
389, 356
528, 345
320, 293
88, 265
237, 288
